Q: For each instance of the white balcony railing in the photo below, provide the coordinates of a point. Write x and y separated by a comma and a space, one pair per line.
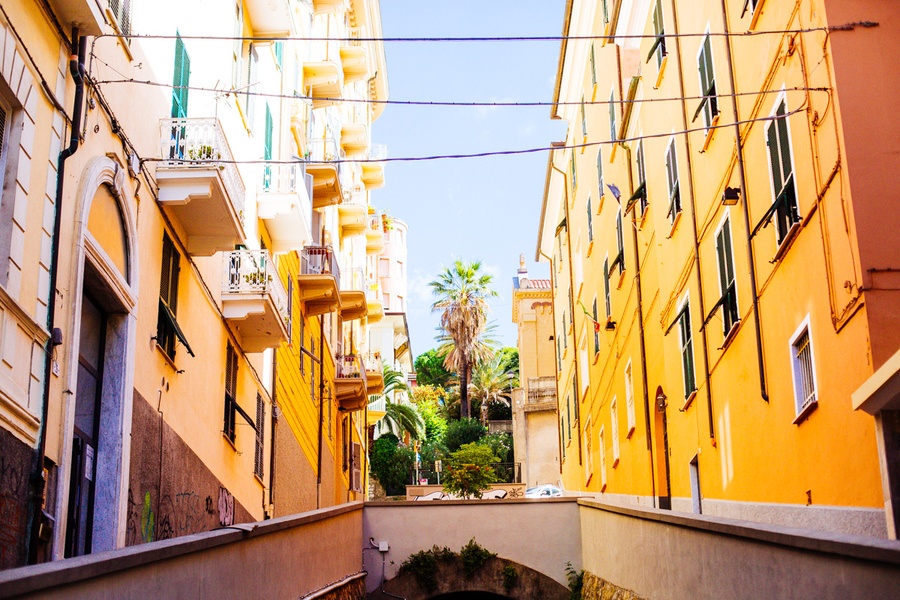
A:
201, 143
253, 272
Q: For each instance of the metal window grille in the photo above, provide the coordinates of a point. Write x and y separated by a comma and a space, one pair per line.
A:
121, 10
803, 372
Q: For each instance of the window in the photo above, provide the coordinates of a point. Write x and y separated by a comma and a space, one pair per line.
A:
606, 291
260, 424
589, 459
384, 267
803, 369
121, 10
602, 448
237, 48
279, 54
5, 142
574, 174
751, 6
605, 4
180, 80
659, 31
312, 372
629, 399
568, 417
778, 141
267, 149
230, 392
168, 333
640, 194
562, 437
590, 221
584, 370
727, 289
612, 116
614, 427
583, 119
249, 88
565, 335
600, 170
596, 328
672, 178
290, 313
709, 106
687, 350
577, 404
593, 67
619, 261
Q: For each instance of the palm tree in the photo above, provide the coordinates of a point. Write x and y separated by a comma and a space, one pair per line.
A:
399, 417
492, 382
462, 293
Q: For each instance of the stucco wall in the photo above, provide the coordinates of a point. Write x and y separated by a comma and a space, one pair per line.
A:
541, 534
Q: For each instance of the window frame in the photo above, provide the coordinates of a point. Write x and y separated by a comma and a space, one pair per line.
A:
629, 399
727, 281
607, 289
614, 430
673, 181
259, 446
686, 346
600, 171
658, 48
803, 407
709, 106
231, 368
168, 332
596, 328
613, 134
590, 221
786, 206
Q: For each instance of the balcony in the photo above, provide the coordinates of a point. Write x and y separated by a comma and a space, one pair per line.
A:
317, 283
199, 184
373, 172
326, 174
355, 62
271, 18
374, 303
350, 384
324, 80
322, 7
352, 215
374, 234
353, 305
87, 14
354, 138
541, 394
284, 203
377, 409
254, 301
374, 375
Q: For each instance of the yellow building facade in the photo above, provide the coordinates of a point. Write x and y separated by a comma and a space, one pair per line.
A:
198, 273
705, 226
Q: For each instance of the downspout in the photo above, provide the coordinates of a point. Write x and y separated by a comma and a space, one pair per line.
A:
271, 503
321, 409
757, 327
555, 355
687, 141
38, 483
572, 296
643, 343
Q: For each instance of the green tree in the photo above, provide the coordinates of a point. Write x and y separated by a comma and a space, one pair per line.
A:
391, 463
429, 401
430, 370
462, 432
492, 383
469, 471
511, 363
400, 418
462, 292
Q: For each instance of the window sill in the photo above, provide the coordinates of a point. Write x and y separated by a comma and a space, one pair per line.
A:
596, 357
710, 131
588, 480
166, 357
804, 414
229, 441
615, 463
661, 72
590, 248
612, 153
787, 242
674, 226
259, 480
603, 487
730, 335
688, 401
630, 433
621, 279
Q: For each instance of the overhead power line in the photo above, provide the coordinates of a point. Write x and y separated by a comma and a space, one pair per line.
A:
485, 154
537, 38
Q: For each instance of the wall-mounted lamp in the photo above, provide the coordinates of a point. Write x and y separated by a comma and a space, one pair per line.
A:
731, 196
660, 400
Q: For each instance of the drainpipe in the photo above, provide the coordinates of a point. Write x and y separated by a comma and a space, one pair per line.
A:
763, 388
555, 356
321, 409
690, 169
38, 483
271, 502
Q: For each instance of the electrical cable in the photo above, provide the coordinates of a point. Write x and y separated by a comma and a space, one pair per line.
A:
483, 154
538, 38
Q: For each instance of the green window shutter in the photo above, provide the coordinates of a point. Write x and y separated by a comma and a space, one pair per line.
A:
279, 54
267, 150
180, 80
774, 159
784, 146
612, 116
600, 170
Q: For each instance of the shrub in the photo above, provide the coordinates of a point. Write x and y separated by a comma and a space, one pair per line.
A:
576, 581
469, 471
510, 578
473, 557
390, 464
423, 566
464, 431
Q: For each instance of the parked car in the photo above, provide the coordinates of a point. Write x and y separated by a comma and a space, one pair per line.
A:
543, 491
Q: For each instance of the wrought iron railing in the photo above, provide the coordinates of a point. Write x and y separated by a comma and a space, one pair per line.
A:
319, 260
373, 363
348, 366
505, 472
253, 272
193, 143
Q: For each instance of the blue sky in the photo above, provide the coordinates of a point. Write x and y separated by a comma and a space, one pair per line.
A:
485, 208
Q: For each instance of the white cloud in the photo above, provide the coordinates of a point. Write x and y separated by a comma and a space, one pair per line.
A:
482, 112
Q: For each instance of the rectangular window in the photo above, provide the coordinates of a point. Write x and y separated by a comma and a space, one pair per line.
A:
709, 106
267, 149
629, 399
574, 174
167, 331
260, 424
279, 54
237, 49
803, 369
614, 431
565, 335
121, 10
590, 221
619, 261
605, 4
751, 6
640, 193
230, 392
583, 119
602, 448
180, 80
727, 289
600, 170
593, 67
612, 116
606, 290
659, 32
687, 350
290, 313
672, 179
596, 328
589, 459
785, 208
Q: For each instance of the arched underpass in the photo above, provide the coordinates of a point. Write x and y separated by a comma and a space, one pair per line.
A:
497, 578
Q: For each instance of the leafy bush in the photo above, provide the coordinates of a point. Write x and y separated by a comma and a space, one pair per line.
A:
464, 431
510, 578
423, 566
473, 557
429, 400
501, 444
390, 463
469, 472
576, 581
